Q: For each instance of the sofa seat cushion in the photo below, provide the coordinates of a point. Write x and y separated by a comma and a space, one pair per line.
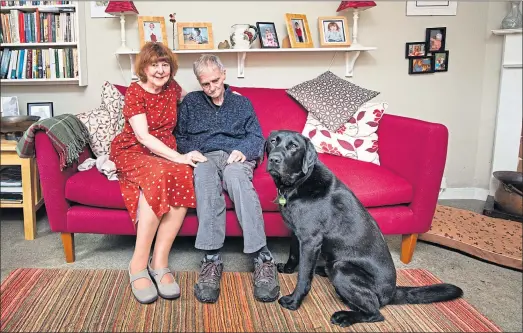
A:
374, 185
92, 188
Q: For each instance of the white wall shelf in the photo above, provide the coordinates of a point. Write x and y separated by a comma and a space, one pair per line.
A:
351, 54
33, 82
500, 32
77, 8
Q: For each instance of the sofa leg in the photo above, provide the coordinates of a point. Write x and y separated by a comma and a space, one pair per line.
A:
68, 242
408, 244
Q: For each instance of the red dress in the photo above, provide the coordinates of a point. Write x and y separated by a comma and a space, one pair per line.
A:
164, 183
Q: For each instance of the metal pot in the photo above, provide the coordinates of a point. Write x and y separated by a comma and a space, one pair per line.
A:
509, 194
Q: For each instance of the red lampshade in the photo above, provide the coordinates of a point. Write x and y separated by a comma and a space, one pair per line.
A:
355, 4
117, 7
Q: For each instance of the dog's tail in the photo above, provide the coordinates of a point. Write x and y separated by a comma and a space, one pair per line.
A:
427, 294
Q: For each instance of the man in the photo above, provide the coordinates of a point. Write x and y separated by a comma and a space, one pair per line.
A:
222, 125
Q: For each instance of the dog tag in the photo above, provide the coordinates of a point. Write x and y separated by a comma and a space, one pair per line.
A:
282, 201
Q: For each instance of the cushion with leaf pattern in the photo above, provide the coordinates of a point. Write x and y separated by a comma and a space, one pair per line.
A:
106, 121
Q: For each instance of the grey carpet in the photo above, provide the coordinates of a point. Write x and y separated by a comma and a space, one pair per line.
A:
495, 291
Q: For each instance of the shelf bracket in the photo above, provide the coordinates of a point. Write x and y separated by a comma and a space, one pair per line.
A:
241, 64
350, 60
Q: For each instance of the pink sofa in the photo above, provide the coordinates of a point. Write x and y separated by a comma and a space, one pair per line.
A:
401, 193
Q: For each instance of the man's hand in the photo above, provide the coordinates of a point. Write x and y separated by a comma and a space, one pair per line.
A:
190, 158
236, 156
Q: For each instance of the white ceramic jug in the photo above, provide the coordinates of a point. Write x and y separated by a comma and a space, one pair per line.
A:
241, 37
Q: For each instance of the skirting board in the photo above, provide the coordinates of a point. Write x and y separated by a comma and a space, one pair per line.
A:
474, 193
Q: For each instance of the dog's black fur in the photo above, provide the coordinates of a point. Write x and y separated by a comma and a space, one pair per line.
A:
325, 216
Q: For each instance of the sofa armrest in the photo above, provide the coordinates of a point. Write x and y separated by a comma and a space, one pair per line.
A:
53, 181
417, 151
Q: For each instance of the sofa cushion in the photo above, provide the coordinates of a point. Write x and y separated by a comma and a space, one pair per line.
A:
374, 185
331, 99
275, 109
106, 121
92, 188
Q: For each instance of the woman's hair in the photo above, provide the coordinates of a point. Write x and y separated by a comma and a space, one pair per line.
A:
151, 53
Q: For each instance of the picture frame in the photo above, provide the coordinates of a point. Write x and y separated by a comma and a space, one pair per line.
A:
152, 29
431, 8
441, 61
9, 106
298, 30
435, 38
268, 35
98, 9
421, 65
334, 31
415, 49
42, 109
195, 36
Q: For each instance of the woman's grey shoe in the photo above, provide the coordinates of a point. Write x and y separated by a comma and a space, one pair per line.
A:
165, 290
147, 295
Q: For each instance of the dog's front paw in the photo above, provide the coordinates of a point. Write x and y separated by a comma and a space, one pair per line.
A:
289, 303
284, 268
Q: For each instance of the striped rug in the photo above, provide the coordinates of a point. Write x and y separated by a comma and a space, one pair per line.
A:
78, 300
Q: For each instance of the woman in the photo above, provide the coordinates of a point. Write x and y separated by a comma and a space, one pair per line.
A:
156, 181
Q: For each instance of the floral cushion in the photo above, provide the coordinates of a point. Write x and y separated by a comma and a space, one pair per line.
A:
106, 121
331, 99
355, 139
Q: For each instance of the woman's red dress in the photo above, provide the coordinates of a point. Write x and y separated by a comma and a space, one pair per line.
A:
164, 183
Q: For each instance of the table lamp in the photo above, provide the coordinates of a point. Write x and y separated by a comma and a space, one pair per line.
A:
121, 8
357, 6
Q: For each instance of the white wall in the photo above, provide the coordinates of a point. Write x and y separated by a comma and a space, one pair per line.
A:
464, 98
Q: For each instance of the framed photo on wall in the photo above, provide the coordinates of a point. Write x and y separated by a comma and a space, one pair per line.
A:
43, 110
268, 35
152, 29
441, 61
298, 30
421, 65
415, 49
435, 39
195, 36
334, 31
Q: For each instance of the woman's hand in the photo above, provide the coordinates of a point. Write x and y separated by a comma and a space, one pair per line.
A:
190, 158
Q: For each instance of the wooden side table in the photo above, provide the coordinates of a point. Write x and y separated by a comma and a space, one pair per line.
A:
31, 192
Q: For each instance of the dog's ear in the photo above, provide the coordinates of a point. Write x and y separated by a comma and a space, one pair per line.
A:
310, 157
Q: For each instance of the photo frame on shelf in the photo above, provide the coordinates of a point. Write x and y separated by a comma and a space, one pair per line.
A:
152, 29
441, 61
195, 36
421, 65
415, 49
9, 106
268, 35
43, 110
298, 30
334, 31
435, 38
431, 8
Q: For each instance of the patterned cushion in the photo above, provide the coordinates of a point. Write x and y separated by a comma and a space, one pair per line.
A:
106, 121
331, 99
356, 139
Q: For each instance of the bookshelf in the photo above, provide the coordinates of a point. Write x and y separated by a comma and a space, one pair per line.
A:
42, 42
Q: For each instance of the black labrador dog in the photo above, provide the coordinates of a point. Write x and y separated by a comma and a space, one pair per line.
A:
325, 217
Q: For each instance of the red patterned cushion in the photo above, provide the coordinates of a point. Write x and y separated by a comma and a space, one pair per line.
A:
356, 139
